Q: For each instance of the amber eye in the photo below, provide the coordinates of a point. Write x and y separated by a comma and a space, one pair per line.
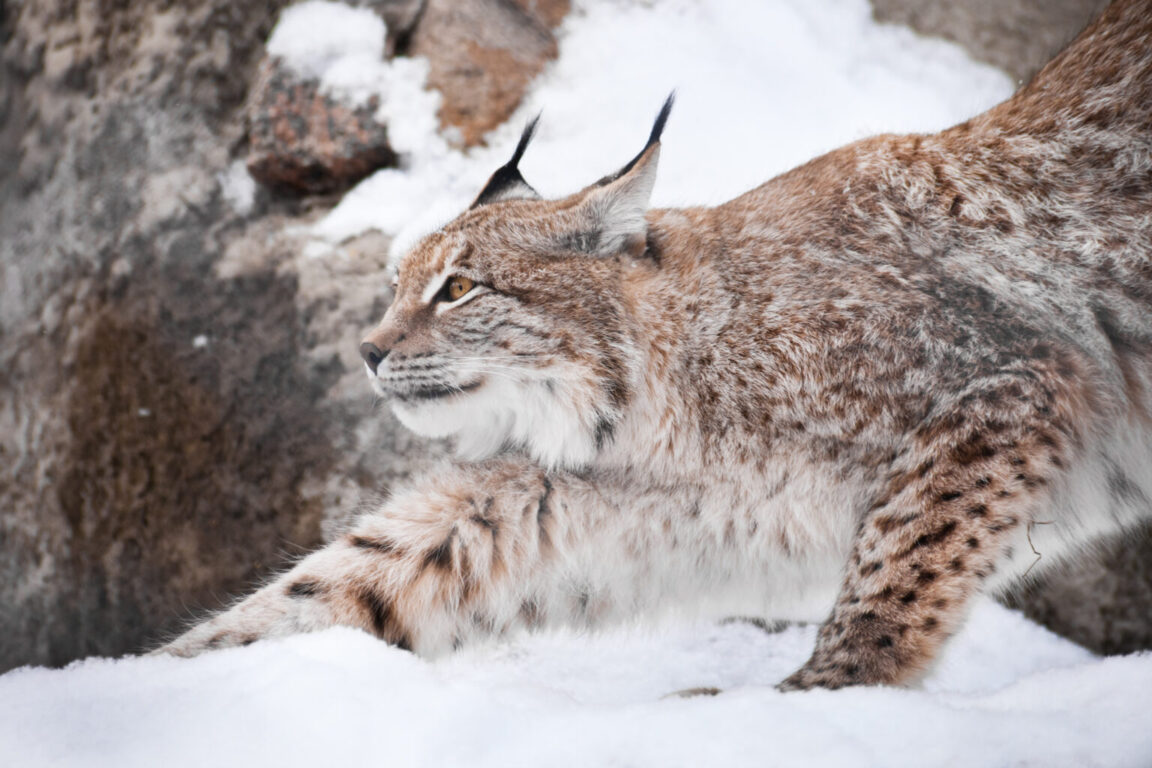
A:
457, 286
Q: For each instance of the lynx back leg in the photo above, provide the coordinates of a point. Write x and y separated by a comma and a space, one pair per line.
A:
925, 548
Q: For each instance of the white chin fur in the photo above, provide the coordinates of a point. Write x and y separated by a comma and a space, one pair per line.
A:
502, 413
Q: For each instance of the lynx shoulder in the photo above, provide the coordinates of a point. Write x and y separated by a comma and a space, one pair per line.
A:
850, 395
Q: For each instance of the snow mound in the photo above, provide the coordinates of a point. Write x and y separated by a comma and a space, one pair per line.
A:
1006, 693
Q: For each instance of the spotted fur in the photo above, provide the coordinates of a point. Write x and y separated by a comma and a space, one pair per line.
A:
860, 394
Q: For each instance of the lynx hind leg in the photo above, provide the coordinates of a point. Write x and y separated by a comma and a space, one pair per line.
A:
467, 555
924, 549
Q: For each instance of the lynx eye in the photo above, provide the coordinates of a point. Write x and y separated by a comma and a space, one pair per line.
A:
456, 287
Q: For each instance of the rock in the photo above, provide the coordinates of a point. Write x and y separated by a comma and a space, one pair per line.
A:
181, 405
304, 141
483, 54
1018, 36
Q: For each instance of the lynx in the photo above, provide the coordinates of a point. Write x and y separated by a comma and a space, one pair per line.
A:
859, 394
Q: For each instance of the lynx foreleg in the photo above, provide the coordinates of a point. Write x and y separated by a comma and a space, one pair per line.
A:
924, 549
474, 552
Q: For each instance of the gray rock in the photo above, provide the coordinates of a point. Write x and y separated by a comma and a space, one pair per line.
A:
1018, 36
177, 409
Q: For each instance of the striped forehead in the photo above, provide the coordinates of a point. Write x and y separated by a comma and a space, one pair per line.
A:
442, 262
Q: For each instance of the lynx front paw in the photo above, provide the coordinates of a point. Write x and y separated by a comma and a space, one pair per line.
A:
274, 611
207, 637
809, 676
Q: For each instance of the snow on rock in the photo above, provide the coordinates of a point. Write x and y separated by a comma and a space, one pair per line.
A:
1006, 693
336, 44
761, 87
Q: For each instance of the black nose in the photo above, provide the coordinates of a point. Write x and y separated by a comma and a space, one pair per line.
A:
372, 355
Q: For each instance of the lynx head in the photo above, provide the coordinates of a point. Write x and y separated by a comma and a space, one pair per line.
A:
509, 328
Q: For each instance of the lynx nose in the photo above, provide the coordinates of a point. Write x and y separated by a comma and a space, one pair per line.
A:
372, 355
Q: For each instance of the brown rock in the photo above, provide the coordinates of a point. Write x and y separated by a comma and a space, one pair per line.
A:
304, 141
483, 55
547, 12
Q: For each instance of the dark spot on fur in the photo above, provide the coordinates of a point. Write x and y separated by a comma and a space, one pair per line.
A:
956, 565
931, 539
931, 623
305, 589
379, 545
973, 542
379, 610
480, 520
884, 641
977, 511
908, 597
605, 431
889, 523
926, 577
542, 506
983, 481
969, 453
530, 612
441, 555
866, 617
949, 496
869, 568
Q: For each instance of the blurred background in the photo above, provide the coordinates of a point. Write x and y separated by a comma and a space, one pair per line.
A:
182, 408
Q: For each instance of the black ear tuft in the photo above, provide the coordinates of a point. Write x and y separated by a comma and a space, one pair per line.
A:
658, 127
507, 183
653, 138
525, 137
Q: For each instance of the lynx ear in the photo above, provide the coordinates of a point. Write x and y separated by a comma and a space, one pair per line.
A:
507, 183
613, 208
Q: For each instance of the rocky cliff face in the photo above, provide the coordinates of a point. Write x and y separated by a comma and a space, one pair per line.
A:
174, 411
181, 404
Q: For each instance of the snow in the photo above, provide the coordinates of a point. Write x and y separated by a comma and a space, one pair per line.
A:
1006, 693
761, 87
324, 41
238, 188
